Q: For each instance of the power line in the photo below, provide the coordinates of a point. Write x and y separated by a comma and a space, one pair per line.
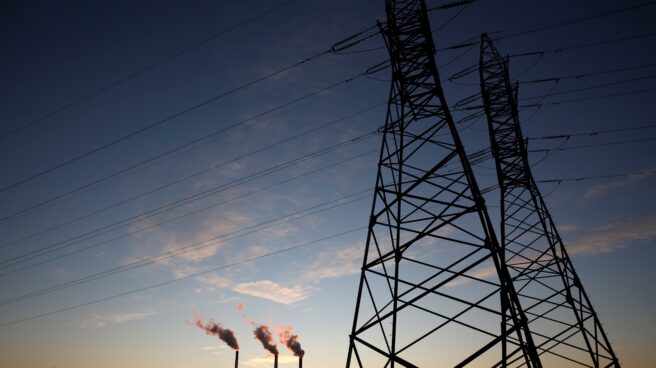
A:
592, 133
561, 102
465, 5
639, 140
549, 154
583, 46
176, 204
575, 20
144, 69
451, 5
469, 43
561, 147
480, 113
624, 81
196, 174
210, 242
584, 178
109, 297
547, 26
455, 58
585, 75
545, 96
476, 116
471, 156
284, 250
486, 154
215, 98
474, 67
461, 105
175, 218
579, 179
529, 68
175, 149
186, 248
186, 277
353, 40
447, 6
137, 218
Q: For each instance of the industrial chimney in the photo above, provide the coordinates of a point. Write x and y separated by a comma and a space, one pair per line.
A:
300, 362
275, 361
236, 358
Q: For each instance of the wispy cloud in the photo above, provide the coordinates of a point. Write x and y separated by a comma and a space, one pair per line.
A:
343, 262
60, 274
568, 228
227, 223
602, 189
100, 321
484, 272
209, 348
180, 268
607, 238
267, 361
267, 289
215, 280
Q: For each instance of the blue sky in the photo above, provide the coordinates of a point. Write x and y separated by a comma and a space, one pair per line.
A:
57, 52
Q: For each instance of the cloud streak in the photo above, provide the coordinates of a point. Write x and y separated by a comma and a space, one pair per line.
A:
269, 290
343, 262
100, 321
267, 361
607, 238
602, 189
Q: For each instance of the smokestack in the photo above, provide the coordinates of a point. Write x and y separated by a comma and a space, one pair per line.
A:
275, 361
300, 362
236, 358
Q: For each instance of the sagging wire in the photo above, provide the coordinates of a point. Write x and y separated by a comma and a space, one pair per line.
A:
539, 102
461, 55
530, 67
593, 133
585, 75
580, 46
465, 5
549, 152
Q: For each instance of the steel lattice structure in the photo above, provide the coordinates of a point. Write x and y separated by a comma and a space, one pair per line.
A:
563, 323
434, 290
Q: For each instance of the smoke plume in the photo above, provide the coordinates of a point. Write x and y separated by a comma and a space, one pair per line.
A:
244, 317
290, 340
216, 329
263, 334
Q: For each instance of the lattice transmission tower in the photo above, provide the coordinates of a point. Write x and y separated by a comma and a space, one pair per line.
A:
434, 291
562, 321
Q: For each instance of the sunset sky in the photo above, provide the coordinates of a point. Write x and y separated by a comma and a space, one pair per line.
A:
268, 188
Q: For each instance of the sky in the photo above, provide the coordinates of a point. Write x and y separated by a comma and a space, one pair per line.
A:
268, 187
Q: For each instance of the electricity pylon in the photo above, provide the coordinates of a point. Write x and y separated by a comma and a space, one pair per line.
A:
434, 290
563, 323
